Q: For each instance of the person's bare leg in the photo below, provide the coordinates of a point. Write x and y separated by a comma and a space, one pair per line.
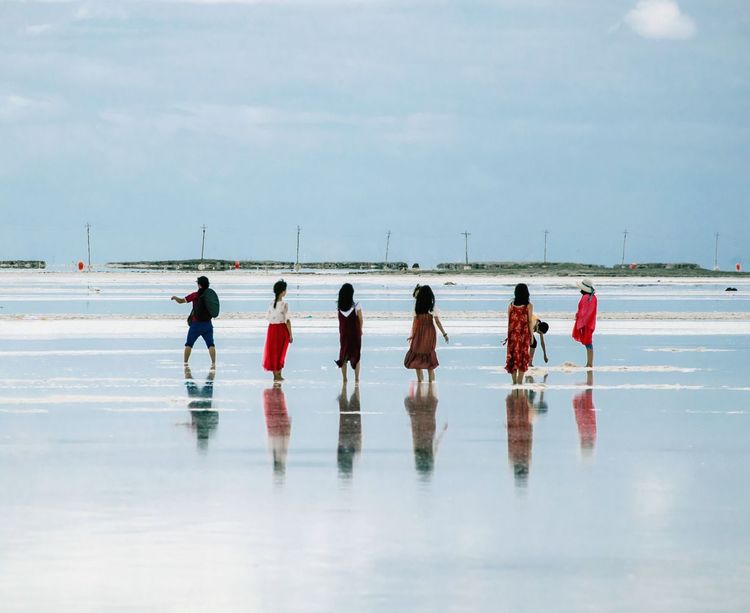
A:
513, 376
343, 372
420, 377
212, 353
431, 375
532, 350
589, 358
519, 376
277, 375
186, 354
356, 372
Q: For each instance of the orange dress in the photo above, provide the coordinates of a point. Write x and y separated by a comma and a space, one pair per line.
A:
421, 353
519, 339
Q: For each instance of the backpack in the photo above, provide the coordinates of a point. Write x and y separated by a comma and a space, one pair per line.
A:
211, 302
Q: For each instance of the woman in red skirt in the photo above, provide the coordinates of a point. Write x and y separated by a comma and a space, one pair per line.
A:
279, 332
350, 331
520, 333
421, 354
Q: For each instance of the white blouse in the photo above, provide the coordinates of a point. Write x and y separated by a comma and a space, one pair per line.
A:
348, 312
278, 315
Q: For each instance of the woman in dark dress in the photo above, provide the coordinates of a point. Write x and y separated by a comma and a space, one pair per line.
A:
350, 331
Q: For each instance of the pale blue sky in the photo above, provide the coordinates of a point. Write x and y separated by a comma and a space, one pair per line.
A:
500, 117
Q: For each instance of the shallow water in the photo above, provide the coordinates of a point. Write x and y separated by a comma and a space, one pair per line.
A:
129, 484
243, 292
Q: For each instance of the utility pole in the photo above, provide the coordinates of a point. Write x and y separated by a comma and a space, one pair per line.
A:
387, 245
624, 240
88, 242
546, 233
466, 236
716, 253
296, 263
203, 242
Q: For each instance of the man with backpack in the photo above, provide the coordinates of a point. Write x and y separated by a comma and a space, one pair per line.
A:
205, 307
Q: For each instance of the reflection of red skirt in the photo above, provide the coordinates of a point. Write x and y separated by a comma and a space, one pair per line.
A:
277, 342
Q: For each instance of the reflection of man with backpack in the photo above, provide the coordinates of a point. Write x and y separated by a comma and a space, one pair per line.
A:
205, 307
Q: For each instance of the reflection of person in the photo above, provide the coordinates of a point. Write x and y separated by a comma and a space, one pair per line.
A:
520, 433
585, 412
350, 331
350, 431
423, 340
279, 333
279, 427
520, 334
583, 329
541, 328
199, 321
202, 419
421, 404
540, 406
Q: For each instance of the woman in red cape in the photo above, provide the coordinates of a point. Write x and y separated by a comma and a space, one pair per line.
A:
583, 329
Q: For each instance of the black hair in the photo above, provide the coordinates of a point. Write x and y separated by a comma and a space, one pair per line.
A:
346, 297
416, 290
278, 288
521, 295
203, 282
425, 300
542, 326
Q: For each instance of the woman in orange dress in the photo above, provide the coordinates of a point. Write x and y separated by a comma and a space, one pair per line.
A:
421, 354
520, 333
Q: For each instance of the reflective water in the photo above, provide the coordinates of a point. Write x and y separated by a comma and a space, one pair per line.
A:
148, 293
129, 483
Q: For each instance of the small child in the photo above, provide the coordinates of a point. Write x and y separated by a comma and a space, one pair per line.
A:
423, 340
279, 333
350, 331
540, 328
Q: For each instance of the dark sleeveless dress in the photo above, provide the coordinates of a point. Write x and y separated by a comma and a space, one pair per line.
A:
350, 337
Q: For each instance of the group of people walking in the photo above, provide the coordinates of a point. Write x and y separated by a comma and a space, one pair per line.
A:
521, 343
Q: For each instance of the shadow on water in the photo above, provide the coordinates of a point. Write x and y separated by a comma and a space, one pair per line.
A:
350, 432
585, 413
203, 420
520, 434
279, 428
421, 405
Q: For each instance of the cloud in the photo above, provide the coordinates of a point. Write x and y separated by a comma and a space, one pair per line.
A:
14, 107
660, 20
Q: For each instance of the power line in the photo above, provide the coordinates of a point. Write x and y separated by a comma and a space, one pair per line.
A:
466, 236
88, 242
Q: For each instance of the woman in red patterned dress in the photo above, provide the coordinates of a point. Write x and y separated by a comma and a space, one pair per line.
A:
520, 333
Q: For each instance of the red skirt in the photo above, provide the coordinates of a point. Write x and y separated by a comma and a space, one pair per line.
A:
277, 343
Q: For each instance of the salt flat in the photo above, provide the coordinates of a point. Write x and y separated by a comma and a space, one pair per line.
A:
129, 483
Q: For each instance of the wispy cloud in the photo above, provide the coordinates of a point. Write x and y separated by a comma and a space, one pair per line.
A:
660, 19
14, 107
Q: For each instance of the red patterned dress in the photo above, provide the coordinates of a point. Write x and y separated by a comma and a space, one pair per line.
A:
519, 339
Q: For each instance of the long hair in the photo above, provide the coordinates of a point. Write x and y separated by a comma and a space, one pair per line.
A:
278, 288
521, 295
425, 302
346, 297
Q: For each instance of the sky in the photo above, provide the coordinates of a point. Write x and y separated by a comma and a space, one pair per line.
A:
501, 118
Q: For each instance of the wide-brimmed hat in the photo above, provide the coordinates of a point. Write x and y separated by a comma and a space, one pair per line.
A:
586, 286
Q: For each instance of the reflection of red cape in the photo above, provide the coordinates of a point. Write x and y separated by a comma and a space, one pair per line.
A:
583, 329
583, 405
277, 417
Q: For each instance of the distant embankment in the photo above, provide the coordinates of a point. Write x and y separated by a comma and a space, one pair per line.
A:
255, 265
23, 264
572, 269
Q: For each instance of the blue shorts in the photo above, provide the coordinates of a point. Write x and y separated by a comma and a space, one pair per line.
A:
200, 328
589, 346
